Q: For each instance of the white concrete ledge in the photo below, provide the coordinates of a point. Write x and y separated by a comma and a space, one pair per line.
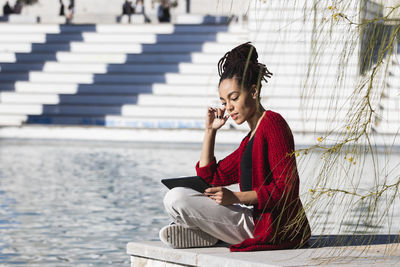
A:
183, 135
94, 133
155, 253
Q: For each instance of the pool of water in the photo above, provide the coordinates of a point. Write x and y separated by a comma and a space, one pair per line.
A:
73, 203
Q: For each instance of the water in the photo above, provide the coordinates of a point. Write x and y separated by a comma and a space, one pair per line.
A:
71, 203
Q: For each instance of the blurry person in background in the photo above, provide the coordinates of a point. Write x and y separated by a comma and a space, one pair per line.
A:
7, 10
17, 7
163, 11
70, 14
62, 9
128, 9
139, 9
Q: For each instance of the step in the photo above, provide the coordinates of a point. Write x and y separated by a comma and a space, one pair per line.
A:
300, 5
169, 78
272, 38
20, 109
116, 58
54, 99
169, 28
109, 38
299, 55
301, 11
390, 103
391, 91
20, 19
272, 19
394, 72
146, 111
280, 45
201, 19
271, 59
393, 81
163, 123
158, 89
174, 78
193, 112
273, 102
391, 127
37, 109
389, 115
69, 88
292, 25
118, 28
59, 67
20, 43
132, 48
43, 28
7, 87
297, 31
120, 122
392, 88
12, 120
135, 122
155, 67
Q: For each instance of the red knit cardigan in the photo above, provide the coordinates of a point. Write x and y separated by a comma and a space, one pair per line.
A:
279, 218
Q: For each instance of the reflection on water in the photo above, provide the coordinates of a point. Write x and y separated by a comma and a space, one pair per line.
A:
69, 203
79, 204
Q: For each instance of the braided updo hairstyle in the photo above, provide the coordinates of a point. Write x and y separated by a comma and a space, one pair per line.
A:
242, 64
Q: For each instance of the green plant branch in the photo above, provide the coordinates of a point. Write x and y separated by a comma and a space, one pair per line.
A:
378, 193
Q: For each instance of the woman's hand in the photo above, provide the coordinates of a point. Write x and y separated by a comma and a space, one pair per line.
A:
221, 195
215, 118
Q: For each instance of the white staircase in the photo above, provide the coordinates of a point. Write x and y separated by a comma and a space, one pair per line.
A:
140, 76
164, 76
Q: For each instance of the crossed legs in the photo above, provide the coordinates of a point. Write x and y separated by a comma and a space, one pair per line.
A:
189, 208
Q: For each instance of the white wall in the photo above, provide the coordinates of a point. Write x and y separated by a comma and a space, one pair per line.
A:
220, 7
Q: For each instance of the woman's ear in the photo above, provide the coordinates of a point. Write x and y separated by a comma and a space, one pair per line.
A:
254, 91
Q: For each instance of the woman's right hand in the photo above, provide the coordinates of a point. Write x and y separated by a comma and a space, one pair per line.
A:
215, 118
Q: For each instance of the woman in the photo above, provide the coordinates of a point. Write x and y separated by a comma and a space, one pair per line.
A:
163, 11
267, 212
139, 9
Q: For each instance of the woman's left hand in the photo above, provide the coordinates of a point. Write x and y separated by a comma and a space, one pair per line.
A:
221, 195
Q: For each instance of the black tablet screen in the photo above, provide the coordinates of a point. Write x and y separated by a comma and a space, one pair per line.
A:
194, 182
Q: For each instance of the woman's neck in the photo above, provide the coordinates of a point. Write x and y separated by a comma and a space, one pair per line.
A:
254, 120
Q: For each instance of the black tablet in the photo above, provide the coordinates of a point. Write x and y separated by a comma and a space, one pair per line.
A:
194, 182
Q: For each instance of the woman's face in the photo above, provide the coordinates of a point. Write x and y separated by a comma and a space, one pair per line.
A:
241, 105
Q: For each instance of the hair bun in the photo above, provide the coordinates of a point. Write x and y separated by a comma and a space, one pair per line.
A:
244, 52
242, 63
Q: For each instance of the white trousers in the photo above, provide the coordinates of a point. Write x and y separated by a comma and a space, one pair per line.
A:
189, 208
